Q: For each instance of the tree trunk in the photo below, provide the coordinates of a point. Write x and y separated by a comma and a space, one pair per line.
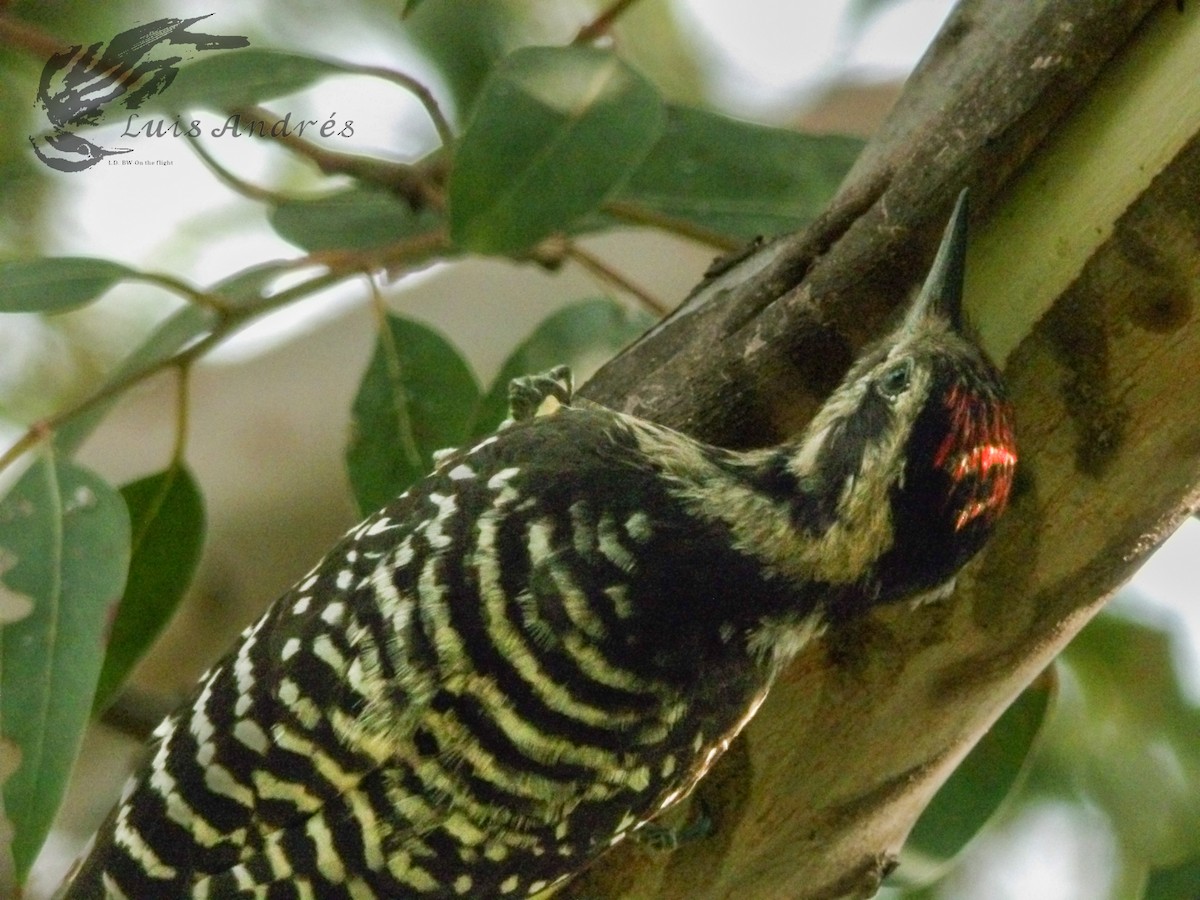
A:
1076, 124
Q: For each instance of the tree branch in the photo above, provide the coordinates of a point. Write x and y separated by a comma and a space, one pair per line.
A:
1012, 99
15, 33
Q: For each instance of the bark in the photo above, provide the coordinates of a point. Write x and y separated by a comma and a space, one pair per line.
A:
1075, 124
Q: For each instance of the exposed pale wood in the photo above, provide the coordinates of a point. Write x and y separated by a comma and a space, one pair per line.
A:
821, 791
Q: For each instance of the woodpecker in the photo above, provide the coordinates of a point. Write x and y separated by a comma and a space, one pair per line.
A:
531, 653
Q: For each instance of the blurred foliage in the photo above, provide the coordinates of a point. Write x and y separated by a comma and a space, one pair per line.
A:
534, 160
978, 788
1121, 737
1130, 739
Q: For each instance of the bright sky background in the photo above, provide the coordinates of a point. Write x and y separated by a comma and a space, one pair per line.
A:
774, 51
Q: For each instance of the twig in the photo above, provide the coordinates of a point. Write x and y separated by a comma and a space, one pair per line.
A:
387, 258
637, 214
182, 413
234, 182
405, 180
340, 265
410, 182
182, 288
601, 25
26, 37
37, 432
44, 429
602, 270
31, 39
417, 89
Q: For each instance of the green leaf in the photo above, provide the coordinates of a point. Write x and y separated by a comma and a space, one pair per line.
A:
583, 336
354, 219
554, 132
57, 283
738, 178
417, 396
1181, 882
975, 791
166, 515
238, 78
64, 543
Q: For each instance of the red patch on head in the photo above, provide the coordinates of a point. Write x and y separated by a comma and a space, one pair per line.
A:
979, 454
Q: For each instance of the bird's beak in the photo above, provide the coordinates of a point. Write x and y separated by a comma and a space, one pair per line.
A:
942, 293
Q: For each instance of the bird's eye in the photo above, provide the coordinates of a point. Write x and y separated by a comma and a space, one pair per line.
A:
895, 380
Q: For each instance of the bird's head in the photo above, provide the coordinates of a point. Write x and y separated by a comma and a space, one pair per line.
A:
909, 463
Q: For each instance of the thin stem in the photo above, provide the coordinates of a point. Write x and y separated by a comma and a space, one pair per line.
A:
183, 289
38, 432
26, 37
602, 270
378, 306
340, 266
344, 264
637, 214
395, 370
390, 258
229, 179
603, 23
417, 89
411, 182
182, 412
46, 427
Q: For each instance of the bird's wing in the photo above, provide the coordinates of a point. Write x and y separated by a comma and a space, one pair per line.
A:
423, 707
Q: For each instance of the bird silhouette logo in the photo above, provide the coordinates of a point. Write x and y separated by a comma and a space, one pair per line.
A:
81, 84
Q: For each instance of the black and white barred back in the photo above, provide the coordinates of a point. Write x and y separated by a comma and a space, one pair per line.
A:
552, 637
